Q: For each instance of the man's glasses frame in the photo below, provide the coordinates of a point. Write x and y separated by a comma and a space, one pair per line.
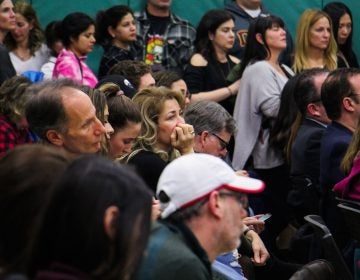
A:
223, 143
237, 195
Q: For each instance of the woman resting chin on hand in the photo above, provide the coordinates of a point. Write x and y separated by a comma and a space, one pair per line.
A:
164, 134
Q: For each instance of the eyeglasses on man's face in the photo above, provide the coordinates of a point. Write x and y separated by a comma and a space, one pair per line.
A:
223, 143
237, 195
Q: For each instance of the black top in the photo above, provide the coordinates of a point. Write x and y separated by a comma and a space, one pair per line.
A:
149, 166
6, 68
210, 77
111, 56
346, 62
305, 154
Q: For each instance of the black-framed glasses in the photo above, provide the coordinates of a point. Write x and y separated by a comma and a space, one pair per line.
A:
222, 142
237, 195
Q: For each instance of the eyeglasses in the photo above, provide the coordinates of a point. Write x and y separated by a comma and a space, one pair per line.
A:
222, 142
238, 196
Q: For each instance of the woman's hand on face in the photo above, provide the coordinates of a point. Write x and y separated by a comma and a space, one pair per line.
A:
182, 138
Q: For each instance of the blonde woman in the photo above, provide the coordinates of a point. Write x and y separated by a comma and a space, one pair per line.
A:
164, 134
315, 43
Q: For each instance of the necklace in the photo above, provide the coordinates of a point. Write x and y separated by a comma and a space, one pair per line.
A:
23, 55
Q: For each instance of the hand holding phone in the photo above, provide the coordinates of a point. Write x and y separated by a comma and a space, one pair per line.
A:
264, 217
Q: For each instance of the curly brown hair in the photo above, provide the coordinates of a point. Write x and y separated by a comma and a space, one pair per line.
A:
13, 98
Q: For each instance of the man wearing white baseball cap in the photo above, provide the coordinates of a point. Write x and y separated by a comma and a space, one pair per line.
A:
200, 199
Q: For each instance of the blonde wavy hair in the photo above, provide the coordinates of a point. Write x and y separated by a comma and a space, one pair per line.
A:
13, 97
308, 18
151, 103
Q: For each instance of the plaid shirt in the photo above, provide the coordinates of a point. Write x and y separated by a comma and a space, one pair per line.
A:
11, 136
111, 56
179, 39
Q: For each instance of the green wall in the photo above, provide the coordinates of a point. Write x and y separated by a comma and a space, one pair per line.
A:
192, 10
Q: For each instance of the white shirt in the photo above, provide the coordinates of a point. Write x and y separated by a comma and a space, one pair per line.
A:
34, 63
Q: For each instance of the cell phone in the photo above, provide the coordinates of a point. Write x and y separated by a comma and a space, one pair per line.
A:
264, 217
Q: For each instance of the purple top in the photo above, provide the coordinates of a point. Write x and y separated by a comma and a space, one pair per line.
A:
349, 187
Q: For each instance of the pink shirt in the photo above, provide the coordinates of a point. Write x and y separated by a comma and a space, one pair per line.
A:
349, 187
67, 65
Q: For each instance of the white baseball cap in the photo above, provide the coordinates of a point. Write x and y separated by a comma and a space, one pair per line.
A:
190, 178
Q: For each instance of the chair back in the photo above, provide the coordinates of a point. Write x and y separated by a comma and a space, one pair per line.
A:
352, 218
330, 249
315, 270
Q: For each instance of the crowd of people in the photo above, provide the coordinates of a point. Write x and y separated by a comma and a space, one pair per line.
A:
162, 163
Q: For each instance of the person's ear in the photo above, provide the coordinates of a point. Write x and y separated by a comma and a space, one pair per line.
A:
313, 110
31, 25
259, 38
110, 217
216, 205
211, 36
348, 104
110, 30
54, 137
203, 137
73, 40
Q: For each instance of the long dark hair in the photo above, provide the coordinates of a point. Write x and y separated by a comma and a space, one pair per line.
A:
254, 51
280, 133
22, 202
336, 10
210, 21
72, 232
110, 17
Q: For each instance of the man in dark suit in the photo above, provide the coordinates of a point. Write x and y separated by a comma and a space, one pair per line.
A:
340, 96
305, 155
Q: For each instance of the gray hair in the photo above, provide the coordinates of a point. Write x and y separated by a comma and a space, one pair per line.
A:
45, 110
209, 116
186, 214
